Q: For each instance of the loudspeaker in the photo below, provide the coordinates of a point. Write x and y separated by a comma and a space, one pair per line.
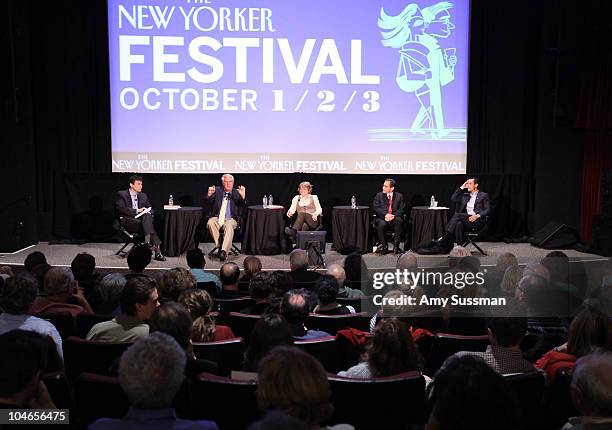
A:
555, 235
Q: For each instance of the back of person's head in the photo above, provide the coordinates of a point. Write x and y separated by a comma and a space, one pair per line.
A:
59, 281
271, 330
260, 286
294, 307
199, 304
459, 251
229, 273
136, 291
175, 281
251, 265
17, 294
337, 271
511, 279
510, 328
298, 259
292, 381
467, 394
407, 261
558, 266
327, 289
110, 287
174, 320
83, 266
589, 329
195, 258
591, 387
139, 258
469, 264
34, 259
23, 356
392, 350
532, 287
355, 267
281, 282
505, 260
151, 371
536, 268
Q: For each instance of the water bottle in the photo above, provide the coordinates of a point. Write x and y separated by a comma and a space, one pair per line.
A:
270, 200
353, 203
265, 201
171, 200
432, 202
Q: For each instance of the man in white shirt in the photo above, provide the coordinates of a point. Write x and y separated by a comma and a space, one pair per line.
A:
472, 206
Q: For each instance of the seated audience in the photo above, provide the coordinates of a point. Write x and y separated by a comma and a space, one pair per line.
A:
16, 297
229, 275
197, 263
294, 307
260, 288
302, 277
83, 268
494, 277
173, 282
138, 301
391, 352
252, 265
174, 320
281, 282
591, 392
138, 259
510, 280
337, 271
108, 294
293, 382
270, 331
61, 289
151, 372
356, 272
34, 259
23, 358
200, 305
326, 289
468, 394
274, 420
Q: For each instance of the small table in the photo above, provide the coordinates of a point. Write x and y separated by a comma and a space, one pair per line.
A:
427, 224
180, 227
264, 232
351, 228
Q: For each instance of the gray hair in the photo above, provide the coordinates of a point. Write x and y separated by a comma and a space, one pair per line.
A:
227, 175
110, 287
535, 268
511, 278
298, 259
407, 261
152, 370
459, 251
592, 376
337, 271
58, 280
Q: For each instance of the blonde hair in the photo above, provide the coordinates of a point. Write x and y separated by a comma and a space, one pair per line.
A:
305, 184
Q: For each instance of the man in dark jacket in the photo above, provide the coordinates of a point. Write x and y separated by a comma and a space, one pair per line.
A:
389, 207
472, 206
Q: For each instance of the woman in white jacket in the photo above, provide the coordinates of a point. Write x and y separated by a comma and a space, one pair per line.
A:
308, 210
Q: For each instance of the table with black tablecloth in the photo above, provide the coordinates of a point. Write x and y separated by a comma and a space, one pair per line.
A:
427, 224
264, 232
351, 228
179, 229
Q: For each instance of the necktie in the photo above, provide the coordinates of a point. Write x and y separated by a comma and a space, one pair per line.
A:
390, 203
223, 209
135, 203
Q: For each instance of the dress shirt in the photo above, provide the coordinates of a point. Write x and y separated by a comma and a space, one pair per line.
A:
151, 419
134, 196
470, 204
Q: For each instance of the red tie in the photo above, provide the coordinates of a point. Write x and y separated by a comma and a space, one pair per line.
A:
390, 202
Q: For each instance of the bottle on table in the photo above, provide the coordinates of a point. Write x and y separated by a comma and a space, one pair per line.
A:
353, 203
171, 200
270, 200
265, 201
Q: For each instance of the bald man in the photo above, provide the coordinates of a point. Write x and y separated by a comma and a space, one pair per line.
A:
337, 271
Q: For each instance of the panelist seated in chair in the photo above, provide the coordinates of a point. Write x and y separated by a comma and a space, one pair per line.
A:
308, 210
472, 207
131, 202
389, 207
227, 208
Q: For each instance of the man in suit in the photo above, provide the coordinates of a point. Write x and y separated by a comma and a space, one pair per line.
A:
228, 205
131, 202
389, 208
471, 206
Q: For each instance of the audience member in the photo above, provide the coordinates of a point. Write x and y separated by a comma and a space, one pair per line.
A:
173, 282
535, 268
337, 271
326, 289
281, 282
294, 307
108, 294
150, 373
139, 299
270, 331
356, 272
275, 420
200, 305
138, 259
83, 268
302, 277
260, 289
16, 297
61, 288
252, 265
34, 259
23, 358
174, 320
229, 275
510, 280
197, 263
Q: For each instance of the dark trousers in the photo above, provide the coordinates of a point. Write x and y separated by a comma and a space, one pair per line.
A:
144, 224
382, 225
304, 222
460, 222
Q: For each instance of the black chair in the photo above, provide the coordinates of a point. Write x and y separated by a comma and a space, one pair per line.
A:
59, 389
225, 306
132, 238
332, 323
82, 355
529, 388
389, 232
98, 396
371, 404
471, 236
210, 287
228, 354
63, 322
234, 250
323, 349
436, 349
242, 324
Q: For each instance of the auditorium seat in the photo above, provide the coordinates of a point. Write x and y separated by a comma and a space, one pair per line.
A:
391, 402
63, 322
98, 396
225, 306
82, 355
324, 349
529, 389
228, 354
557, 404
59, 389
242, 324
85, 321
332, 323
436, 349
357, 304
210, 287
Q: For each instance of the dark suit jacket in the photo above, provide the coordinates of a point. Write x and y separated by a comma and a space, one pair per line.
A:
303, 278
237, 204
381, 205
481, 206
123, 203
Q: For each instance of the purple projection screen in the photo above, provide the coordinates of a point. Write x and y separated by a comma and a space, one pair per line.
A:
326, 86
